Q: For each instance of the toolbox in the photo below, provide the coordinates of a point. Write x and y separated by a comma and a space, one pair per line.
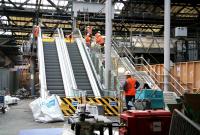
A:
151, 96
148, 122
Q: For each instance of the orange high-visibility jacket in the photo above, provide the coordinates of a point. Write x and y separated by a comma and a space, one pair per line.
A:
87, 39
36, 31
100, 40
131, 82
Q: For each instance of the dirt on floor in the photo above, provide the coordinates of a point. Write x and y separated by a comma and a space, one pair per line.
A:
20, 117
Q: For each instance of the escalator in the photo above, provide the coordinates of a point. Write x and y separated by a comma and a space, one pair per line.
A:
80, 73
54, 79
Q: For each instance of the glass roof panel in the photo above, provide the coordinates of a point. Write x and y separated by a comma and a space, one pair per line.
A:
32, 3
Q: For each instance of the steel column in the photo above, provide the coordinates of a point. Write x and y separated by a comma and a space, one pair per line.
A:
32, 80
74, 23
108, 44
166, 44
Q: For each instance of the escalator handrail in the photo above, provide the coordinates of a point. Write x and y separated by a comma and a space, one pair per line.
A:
62, 67
68, 64
42, 73
87, 64
90, 61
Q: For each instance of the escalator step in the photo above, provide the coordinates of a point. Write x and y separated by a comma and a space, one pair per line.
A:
54, 73
57, 91
55, 83
80, 73
50, 70
55, 87
54, 77
50, 80
81, 81
78, 67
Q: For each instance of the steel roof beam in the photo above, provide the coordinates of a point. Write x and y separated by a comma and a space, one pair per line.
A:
29, 4
5, 41
10, 1
135, 19
22, 4
56, 7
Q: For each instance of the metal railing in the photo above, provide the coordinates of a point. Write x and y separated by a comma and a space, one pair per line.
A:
116, 87
42, 73
173, 82
182, 125
131, 58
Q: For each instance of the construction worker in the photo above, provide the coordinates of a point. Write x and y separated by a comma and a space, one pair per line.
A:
35, 31
35, 37
69, 37
97, 34
89, 30
130, 86
88, 40
100, 41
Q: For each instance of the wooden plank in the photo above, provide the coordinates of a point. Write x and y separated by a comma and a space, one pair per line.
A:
197, 75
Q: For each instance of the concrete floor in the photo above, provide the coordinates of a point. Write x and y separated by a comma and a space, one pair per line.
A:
20, 117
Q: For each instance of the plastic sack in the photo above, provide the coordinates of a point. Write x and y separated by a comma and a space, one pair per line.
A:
11, 100
36, 109
46, 110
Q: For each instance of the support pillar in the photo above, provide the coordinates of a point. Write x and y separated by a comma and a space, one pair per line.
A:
74, 24
108, 44
32, 80
166, 44
131, 39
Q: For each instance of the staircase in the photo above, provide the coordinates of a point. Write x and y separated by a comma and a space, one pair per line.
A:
154, 79
53, 72
79, 70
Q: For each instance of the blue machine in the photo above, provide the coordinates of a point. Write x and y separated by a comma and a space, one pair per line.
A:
154, 97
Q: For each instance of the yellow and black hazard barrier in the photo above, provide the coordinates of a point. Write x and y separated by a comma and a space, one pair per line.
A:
111, 105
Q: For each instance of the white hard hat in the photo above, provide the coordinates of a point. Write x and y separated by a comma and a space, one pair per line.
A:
127, 73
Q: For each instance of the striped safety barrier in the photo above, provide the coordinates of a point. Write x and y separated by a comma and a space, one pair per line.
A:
111, 105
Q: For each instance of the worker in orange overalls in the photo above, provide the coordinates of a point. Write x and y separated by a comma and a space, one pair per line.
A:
88, 40
130, 86
35, 31
97, 34
100, 41
35, 37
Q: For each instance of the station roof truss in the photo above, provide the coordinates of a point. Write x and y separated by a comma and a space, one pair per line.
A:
17, 18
